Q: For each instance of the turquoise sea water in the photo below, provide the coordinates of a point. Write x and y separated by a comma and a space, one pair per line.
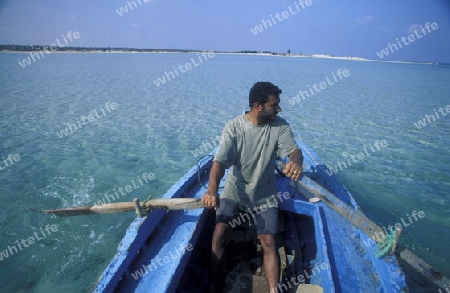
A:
157, 129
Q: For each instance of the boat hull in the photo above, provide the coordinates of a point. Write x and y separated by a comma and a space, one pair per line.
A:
168, 251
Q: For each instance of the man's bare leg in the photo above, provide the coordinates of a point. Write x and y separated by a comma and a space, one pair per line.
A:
270, 261
221, 235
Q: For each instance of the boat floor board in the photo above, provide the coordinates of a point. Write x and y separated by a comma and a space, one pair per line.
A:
307, 288
244, 272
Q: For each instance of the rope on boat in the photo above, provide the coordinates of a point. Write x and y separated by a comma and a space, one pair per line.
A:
385, 246
144, 212
198, 170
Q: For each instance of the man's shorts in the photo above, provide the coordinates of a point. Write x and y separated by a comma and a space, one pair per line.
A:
230, 213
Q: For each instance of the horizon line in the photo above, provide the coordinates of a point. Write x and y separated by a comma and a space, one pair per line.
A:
109, 48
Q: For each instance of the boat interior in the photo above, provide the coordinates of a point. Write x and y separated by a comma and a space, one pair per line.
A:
243, 269
317, 247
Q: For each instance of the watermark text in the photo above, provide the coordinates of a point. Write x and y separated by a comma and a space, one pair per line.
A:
341, 165
108, 198
317, 88
130, 4
411, 38
169, 75
423, 122
271, 202
159, 262
71, 36
299, 6
380, 236
287, 285
24, 243
11, 159
85, 120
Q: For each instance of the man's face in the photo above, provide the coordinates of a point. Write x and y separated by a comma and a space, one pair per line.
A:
271, 108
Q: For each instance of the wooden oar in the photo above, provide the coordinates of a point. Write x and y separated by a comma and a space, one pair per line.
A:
355, 217
358, 219
118, 207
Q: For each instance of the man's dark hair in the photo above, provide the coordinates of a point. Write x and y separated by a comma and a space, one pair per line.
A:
261, 91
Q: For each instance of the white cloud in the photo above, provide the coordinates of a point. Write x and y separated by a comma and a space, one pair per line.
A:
412, 28
365, 19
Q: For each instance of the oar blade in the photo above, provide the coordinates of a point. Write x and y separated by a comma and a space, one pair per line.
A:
424, 268
120, 207
67, 212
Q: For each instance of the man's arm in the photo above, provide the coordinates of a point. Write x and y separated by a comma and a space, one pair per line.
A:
211, 197
297, 157
294, 168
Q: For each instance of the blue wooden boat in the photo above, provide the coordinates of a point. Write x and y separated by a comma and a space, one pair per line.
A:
168, 251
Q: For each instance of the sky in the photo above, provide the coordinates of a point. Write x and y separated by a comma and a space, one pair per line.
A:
359, 28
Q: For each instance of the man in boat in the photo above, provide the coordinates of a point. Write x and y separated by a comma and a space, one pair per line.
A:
249, 146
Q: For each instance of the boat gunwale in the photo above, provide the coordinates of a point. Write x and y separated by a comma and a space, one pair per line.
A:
392, 275
140, 230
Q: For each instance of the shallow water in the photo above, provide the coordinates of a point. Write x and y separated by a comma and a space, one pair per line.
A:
157, 130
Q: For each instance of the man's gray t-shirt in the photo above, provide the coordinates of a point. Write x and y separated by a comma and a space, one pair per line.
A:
251, 151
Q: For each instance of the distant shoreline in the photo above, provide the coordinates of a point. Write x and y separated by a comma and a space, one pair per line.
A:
44, 49
69, 50
193, 52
